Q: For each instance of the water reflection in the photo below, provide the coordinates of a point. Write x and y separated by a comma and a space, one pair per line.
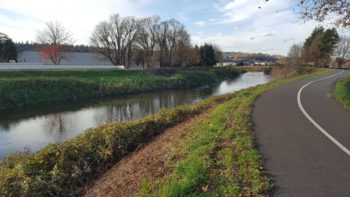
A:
37, 126
244, 81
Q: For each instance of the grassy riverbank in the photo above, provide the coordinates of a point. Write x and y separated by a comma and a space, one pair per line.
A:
62, 169
31, 87
220, 158
342, 92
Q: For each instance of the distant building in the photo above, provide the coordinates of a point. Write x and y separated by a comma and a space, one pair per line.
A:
78, 58
233, 63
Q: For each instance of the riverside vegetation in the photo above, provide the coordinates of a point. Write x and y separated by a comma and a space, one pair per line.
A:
32, 87
220, 157
342, 91
63, 169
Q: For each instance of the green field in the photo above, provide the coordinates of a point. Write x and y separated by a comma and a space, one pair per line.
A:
31, 87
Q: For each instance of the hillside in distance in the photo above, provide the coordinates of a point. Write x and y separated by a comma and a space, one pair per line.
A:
243, 56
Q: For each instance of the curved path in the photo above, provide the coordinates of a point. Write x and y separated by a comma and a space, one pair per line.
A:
303, 135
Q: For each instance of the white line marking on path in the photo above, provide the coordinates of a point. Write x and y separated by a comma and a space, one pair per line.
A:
324, 132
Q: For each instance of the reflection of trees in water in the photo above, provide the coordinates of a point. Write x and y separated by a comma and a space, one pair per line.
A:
119, 113
58, 125
143, 106
122, 113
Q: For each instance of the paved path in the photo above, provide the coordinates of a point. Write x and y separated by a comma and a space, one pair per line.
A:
301, 160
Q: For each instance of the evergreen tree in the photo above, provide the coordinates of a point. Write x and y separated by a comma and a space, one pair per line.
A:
207, 53
320, 45
315, 33
7, 49
329, 41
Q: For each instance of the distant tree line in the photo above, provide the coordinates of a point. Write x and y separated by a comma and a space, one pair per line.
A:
240, 56
34, 46
7, 49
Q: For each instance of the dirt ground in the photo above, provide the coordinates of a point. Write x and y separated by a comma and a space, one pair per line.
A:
147, 163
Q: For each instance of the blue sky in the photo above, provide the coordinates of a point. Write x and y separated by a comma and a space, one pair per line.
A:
234, 25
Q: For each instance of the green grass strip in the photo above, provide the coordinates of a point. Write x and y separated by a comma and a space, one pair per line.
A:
342, 92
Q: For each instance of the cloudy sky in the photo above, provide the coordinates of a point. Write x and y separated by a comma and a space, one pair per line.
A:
235, 25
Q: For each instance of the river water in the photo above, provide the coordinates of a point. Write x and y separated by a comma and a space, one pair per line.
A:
33, 127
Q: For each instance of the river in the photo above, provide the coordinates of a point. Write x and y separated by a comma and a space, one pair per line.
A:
34, 127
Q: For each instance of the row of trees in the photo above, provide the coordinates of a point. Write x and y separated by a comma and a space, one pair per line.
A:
148, 41
7, 49
321, 48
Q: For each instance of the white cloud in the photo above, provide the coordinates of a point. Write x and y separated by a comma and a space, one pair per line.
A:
238, 11
200, 23
238, 25
256, 40
236, 4
267, 28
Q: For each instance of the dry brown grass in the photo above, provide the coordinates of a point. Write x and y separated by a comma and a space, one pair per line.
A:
148, 163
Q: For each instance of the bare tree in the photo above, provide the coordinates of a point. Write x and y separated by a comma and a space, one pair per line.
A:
146, 40
132, 30
183, 48
295, 57
172, 37
176, 30
342, 50
115, 39
337, 11
161, 36
53, 39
